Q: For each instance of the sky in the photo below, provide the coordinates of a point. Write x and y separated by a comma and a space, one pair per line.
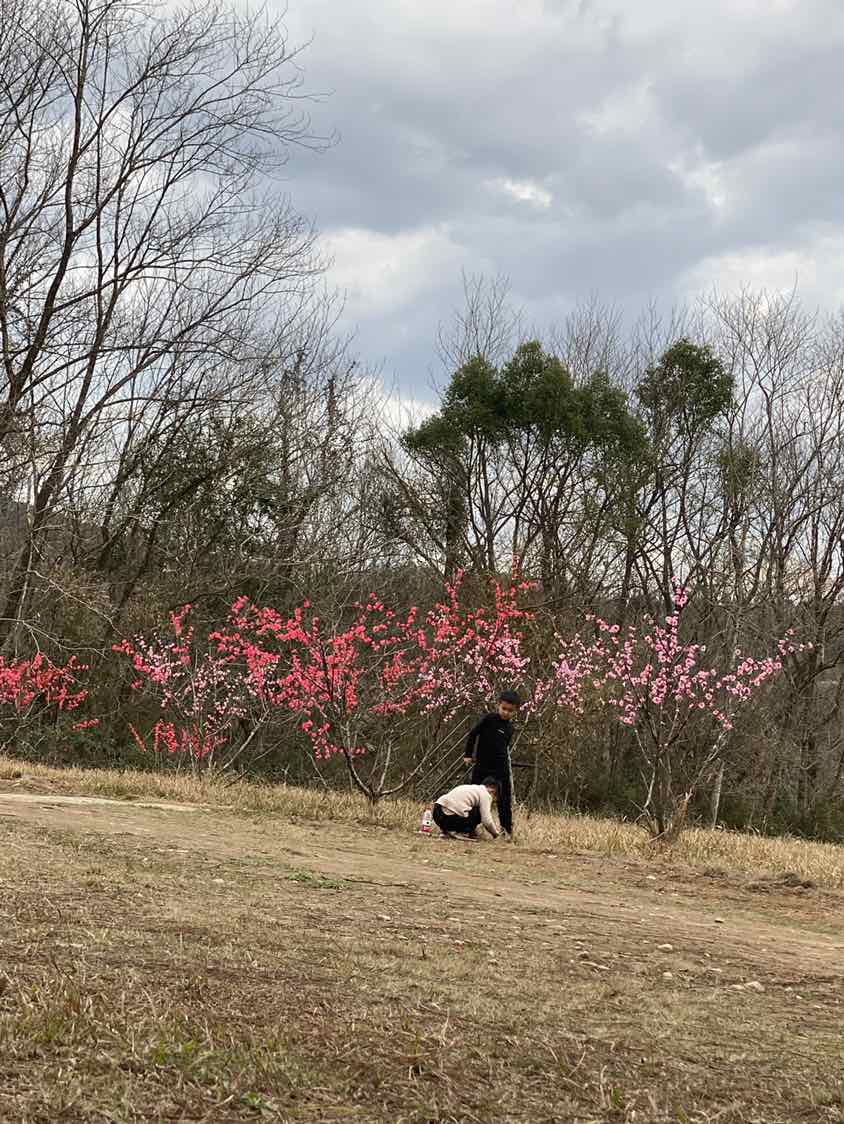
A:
634, 150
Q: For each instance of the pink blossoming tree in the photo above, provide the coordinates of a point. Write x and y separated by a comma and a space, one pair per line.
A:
668, 695
357, 689
208, 692
362, 690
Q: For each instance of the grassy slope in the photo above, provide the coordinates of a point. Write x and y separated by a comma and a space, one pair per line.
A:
227, 965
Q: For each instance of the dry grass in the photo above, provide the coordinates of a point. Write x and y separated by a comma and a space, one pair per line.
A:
822, 863
145, 980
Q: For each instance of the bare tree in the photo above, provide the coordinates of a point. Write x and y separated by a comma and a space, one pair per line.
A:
137, 251
485, 326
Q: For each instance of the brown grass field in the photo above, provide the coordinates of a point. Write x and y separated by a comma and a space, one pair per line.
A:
263, 953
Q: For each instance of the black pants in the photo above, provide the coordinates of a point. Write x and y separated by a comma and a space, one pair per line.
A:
460, 825
501, 771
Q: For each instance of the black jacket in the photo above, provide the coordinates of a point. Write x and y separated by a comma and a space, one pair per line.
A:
489, 743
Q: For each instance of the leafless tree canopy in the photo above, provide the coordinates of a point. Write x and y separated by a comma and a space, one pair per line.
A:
150, 271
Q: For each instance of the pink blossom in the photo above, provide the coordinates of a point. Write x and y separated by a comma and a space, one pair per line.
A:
29, 684
381, 664
655, 681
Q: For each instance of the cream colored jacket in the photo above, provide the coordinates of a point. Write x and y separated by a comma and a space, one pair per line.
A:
461, 800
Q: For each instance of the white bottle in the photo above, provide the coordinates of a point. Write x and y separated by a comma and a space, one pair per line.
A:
427, 820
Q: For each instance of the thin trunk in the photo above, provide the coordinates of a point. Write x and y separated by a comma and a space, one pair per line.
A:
715, 798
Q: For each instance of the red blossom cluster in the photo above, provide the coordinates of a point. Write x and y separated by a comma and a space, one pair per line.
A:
382, 664
171, 737
28, 684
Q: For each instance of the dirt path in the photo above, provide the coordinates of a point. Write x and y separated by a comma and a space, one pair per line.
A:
82, 801
173, 962
780, 933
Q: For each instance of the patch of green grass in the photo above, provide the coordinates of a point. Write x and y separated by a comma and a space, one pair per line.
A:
259, 1103
315, 881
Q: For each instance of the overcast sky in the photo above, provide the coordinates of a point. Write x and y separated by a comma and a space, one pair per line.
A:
636, 149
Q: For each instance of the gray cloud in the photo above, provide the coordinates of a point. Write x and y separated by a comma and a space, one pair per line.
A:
630, 147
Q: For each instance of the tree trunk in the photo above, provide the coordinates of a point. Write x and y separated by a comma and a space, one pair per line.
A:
715, 798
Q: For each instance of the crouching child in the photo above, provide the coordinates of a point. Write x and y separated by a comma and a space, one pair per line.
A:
462, 810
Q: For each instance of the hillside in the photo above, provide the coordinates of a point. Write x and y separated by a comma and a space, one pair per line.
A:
189, 963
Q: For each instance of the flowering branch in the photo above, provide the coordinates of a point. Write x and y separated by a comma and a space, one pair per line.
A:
659, 687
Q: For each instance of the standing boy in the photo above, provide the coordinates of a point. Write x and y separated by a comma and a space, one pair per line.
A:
488, 750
